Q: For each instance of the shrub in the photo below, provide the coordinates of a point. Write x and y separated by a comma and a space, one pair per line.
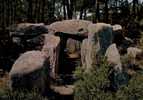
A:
132, 91
94, 85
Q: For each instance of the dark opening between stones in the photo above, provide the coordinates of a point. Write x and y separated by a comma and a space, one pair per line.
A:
67, 64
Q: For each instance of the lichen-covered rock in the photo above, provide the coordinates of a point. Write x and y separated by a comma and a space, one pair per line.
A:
51, 48
70, 26
99, 38
25, 33
100, 33
117, 27
29, 29
29, 71
24, 25
132, 52
113, 57
73, 48
85, 59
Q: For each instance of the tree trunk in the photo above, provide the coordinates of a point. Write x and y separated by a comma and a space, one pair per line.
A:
81, 13
97, 13
43, 11
68, 8
71, 9
135, 3
29, 12
64, 9
15, 11
51, 11
0, 13
35, 11
106, 11
84, 14
11, 12
4, 14
69, 5
38, 11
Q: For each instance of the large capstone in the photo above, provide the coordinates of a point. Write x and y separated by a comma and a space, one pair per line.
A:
25, 31
78, 27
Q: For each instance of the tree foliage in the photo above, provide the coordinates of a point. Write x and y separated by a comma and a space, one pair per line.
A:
47, 11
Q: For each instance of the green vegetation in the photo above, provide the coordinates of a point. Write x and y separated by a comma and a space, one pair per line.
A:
93, 86
133, 91
90, 86
20, 95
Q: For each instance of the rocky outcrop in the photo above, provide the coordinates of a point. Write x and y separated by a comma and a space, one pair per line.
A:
23, 26
113, 57
26, 31
29, 29
101, 34
51, 48
132, 52
85, 58
29, 71
99, 38
73, 48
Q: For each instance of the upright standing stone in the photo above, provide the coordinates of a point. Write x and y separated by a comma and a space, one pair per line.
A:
132, 52
99, 38
51, 49
113, 57
85, 59
73, 48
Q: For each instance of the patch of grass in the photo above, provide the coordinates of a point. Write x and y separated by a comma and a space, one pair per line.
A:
20, 95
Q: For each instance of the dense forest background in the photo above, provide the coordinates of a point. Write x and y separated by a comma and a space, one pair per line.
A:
48, 11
